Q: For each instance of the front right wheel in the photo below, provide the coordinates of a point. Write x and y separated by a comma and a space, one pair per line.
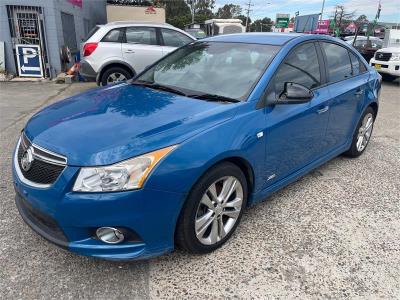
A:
212, 210
362, 134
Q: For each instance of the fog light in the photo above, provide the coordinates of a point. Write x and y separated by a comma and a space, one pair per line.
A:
109, 235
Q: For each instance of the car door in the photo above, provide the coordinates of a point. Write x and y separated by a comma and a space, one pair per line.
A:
141, 47
295, 133
173, 39
347, 87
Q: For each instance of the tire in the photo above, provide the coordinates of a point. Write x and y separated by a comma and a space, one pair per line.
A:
194, 209
118, 73
388, 77
361, 132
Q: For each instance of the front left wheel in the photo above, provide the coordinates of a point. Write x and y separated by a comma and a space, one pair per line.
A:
212, 210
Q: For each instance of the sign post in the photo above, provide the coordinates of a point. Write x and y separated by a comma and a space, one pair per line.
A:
29, 60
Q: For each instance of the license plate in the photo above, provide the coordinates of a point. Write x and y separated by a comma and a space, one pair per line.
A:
377, 66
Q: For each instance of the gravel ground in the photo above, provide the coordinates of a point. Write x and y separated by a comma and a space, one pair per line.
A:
335, 233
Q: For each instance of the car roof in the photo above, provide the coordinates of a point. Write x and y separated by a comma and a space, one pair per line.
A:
137, 23
268, 38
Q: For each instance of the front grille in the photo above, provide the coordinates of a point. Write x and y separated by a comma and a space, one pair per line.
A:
45, 167
382, 56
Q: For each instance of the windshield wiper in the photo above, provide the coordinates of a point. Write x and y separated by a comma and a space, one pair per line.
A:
158, 86
213, 97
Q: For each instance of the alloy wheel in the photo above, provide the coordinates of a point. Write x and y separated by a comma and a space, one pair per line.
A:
218, 210
364, 132
115, 77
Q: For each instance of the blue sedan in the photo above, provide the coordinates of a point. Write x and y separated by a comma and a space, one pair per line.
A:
173, 157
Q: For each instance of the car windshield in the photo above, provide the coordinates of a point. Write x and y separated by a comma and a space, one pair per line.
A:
212, 68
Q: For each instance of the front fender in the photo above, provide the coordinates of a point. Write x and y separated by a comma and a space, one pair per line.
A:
236, 137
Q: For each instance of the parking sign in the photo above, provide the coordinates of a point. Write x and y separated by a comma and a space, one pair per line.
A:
29, 60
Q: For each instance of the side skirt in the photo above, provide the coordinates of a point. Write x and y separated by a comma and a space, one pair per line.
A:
263, 194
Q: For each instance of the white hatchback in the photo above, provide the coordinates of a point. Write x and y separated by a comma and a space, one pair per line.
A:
119, 50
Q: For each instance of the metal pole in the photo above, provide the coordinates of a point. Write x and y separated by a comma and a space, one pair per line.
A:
322, 10
248, 12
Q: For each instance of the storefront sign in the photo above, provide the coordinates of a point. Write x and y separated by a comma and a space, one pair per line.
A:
76, 2
322, 27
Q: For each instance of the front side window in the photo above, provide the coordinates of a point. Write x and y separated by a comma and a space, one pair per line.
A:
113, 36
222, 69
300, 66
337, 62
173, 38
141, 35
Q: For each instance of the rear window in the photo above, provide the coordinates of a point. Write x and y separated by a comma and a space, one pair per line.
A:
91, 32
113, 36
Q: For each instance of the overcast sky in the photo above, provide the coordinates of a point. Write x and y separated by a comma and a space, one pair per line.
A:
390, 8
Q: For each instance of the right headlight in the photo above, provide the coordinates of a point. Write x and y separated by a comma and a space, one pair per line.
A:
395, 56
126, 175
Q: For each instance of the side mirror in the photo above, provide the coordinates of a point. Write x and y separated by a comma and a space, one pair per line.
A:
294, 93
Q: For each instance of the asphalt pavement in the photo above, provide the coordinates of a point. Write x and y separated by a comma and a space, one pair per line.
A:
335, 233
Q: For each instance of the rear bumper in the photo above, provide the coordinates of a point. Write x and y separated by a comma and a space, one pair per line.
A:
387, 67
87, 71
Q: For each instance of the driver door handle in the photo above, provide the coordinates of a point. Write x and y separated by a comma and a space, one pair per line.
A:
322, 110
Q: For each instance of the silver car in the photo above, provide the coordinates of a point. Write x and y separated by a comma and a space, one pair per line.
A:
119, 50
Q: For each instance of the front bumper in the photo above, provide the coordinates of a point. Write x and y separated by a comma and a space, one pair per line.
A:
69, 219
386, 67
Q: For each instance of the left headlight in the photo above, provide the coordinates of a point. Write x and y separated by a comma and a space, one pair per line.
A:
127, 175
395, 56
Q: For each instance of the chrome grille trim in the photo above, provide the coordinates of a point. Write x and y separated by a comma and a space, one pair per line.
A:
55, 159
44, 154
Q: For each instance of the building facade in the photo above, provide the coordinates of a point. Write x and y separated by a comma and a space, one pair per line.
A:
50, 25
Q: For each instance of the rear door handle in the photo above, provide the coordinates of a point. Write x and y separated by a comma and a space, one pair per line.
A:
129, 51
322, 110
359, 92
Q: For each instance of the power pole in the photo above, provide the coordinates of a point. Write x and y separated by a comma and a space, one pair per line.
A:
322, 10
248, 10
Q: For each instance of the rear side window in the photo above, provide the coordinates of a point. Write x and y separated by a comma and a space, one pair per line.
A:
355, 64
141, 35
337, 62
113, 36
301, 66
173, 38
91, 32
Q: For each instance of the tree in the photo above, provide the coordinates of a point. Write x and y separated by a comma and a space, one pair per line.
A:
205, 7
174, 9
180, 12
243, 19
263, 25
229, 11
201, 7
342, 17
